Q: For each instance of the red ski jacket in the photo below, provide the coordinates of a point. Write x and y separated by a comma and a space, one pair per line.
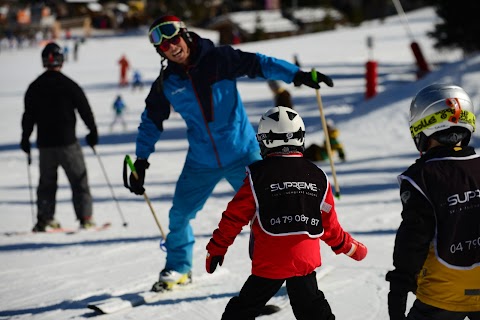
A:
275, 257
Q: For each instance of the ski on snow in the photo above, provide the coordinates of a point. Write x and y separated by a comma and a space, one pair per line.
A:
102, 227
128, 301
116, 304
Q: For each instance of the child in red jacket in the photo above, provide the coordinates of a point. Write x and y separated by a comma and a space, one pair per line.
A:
289, 204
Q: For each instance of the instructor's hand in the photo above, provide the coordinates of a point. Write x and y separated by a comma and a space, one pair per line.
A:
136, 185
307, 78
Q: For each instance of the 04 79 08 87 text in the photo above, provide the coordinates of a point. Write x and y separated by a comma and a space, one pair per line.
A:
294, 218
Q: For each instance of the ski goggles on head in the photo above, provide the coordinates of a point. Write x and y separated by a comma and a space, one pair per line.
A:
165, 30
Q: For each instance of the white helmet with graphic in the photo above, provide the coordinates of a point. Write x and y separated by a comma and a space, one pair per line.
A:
281, 129
443, 112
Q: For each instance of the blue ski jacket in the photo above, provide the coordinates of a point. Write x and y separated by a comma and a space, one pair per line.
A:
205, 94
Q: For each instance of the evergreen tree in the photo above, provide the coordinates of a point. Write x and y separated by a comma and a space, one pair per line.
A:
458, 28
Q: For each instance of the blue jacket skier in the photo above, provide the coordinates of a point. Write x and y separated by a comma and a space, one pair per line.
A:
199, 82
119, 108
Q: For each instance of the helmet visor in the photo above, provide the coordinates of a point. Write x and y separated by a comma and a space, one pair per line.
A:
165, 30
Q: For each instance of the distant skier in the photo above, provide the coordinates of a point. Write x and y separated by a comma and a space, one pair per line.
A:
119, 108
295, 60
281, 95
315, 152
137, 80
51, 104
76, 45
437, 250
66, 51
289, 205
297, 63
124, 66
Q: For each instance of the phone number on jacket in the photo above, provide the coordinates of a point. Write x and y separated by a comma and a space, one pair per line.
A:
295, 218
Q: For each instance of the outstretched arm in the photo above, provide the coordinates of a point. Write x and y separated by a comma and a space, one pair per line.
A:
338, 239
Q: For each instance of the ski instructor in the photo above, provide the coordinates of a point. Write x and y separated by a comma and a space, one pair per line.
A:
199, 82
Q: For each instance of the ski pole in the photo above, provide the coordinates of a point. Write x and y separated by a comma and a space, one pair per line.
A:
327, 136
29, 162
111, 188
135, 174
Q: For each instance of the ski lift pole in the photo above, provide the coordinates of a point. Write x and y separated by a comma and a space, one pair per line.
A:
327, 136
29, 162
135, 174
110, 186
422, 64
403, 18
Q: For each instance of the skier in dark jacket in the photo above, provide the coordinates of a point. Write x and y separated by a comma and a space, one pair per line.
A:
288, 202
437, 250
200, 84
50, 104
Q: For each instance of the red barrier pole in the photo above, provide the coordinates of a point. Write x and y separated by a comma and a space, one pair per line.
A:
371, 78
423, 68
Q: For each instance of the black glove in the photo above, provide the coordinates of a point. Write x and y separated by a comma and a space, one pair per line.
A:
92, 138
397, 304
212, 262
306, 78
25, 145
136, 185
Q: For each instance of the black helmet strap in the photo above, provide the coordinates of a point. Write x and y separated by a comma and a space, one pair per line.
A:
271, 136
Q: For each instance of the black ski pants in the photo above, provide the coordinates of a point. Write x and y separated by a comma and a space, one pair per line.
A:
307, 301
422, 311
70, 158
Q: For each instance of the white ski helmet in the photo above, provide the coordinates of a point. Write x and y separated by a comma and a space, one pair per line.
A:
281, 129
444, 112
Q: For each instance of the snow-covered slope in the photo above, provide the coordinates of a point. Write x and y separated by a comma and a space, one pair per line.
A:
55, 276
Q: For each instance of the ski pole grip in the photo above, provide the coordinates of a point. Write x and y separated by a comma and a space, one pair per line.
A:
314, 75
131, 166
